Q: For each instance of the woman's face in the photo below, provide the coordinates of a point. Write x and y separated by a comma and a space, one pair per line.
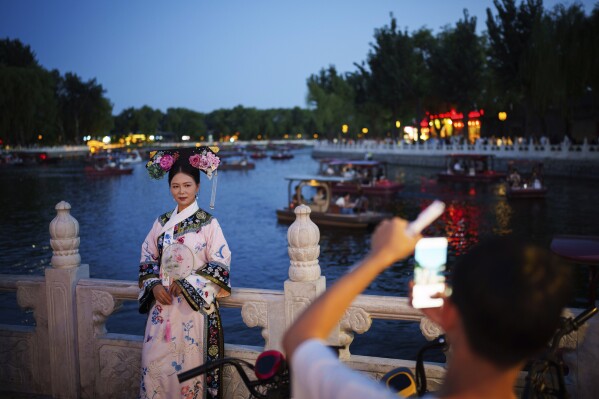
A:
184, 190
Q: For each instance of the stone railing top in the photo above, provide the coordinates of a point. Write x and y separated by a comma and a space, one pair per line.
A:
64, 233
303, 237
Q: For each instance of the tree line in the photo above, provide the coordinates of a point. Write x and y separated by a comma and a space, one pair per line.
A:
530, 62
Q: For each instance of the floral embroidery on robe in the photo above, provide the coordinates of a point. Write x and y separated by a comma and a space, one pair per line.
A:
187, 333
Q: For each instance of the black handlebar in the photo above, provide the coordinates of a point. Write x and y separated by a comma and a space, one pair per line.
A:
570, 325
204, 368
582, 318
439, 342
271, 370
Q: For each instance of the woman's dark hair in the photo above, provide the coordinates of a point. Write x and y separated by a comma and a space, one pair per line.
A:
184, 167
510, 295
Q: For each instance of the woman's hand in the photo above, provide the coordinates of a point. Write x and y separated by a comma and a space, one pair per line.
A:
162, 295
174, 290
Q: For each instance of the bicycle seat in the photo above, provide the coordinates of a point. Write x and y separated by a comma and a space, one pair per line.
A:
581, 249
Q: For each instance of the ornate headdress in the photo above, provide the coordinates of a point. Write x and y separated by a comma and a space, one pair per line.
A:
203, 158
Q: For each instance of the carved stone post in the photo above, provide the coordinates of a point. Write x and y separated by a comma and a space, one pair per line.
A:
61, 281
305, 282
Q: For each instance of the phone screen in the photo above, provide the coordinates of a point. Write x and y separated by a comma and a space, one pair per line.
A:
429, 272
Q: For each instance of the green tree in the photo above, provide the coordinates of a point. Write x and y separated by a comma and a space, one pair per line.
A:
148, 120
27, 104
331, 98
399, 75
457, 64
573, 49
217, 125
510, 35
593, 37
182, 121
15, 54
84, 109
126, 122
368, 113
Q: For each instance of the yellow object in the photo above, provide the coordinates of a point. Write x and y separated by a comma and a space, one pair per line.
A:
401, 381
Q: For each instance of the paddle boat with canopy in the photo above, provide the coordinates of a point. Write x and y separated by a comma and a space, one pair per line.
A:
240, 162
475, 168
530, 185
367, 177
106, 164
325, 213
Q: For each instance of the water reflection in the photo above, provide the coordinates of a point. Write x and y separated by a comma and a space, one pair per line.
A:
115, 214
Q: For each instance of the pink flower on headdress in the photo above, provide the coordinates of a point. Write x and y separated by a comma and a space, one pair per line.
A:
194, 160
213, 159
166, 162
204, 162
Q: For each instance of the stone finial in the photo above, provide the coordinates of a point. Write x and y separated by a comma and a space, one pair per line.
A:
303, 237
64, 233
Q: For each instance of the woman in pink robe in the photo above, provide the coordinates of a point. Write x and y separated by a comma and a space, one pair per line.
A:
184, 268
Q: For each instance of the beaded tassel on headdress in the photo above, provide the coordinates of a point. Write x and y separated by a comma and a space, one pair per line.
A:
213, 194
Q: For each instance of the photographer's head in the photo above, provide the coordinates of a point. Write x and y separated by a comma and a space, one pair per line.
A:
510, 296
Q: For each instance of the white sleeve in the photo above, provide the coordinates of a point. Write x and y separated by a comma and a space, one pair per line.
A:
317, 373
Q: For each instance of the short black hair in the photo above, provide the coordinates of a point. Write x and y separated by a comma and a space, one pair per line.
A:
510, 296
183, 167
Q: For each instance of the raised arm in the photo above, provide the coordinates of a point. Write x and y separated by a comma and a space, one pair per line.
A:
390, 243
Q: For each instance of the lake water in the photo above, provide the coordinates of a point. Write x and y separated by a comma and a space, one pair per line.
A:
115, 214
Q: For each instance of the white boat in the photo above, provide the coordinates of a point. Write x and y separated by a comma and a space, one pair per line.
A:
131, 157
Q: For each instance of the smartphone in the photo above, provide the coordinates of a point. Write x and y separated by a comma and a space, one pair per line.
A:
429, 272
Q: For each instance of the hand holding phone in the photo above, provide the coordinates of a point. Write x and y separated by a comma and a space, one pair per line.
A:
429, 279
430, 260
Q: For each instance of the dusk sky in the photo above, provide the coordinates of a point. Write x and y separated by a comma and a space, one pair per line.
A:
204, 55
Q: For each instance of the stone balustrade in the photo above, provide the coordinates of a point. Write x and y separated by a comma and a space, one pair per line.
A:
70, 354
522, 150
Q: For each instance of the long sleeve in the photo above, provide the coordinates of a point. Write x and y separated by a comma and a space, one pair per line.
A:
219, 256
211, 279
149, 268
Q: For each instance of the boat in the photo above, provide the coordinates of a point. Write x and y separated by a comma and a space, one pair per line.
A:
281, 155
107, 166
231, 151
325, 213
527, 186
258, 154
470, 168
367, 177
131, 157
525, 192
7, 158
236, 163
